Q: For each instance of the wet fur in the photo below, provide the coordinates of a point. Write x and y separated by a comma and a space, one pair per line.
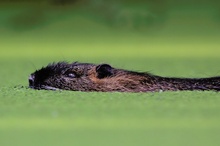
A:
104, 78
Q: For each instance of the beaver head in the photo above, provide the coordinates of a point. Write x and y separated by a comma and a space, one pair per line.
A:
75, 76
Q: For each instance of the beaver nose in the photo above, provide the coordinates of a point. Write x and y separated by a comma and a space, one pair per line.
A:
31, 80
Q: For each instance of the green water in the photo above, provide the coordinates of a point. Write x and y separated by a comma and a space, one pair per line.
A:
185, 44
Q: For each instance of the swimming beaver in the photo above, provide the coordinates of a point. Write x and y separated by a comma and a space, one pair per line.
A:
90, 77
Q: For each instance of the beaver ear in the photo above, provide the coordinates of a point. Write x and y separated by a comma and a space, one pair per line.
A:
103, 70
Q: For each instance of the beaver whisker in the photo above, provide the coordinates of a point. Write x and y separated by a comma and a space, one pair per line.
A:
49, 88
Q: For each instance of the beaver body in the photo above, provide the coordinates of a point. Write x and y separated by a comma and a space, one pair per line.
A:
91, 77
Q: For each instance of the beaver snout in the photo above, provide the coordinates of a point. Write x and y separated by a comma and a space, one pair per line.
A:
31, 81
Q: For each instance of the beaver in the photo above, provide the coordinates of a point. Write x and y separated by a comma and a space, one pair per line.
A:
103, 77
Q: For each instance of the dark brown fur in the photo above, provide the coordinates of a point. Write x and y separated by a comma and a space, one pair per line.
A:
91, 77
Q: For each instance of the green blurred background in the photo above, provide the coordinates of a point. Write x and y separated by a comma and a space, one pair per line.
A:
164, 37
101, 29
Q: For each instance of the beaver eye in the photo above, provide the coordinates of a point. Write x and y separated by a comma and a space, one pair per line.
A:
71, 75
